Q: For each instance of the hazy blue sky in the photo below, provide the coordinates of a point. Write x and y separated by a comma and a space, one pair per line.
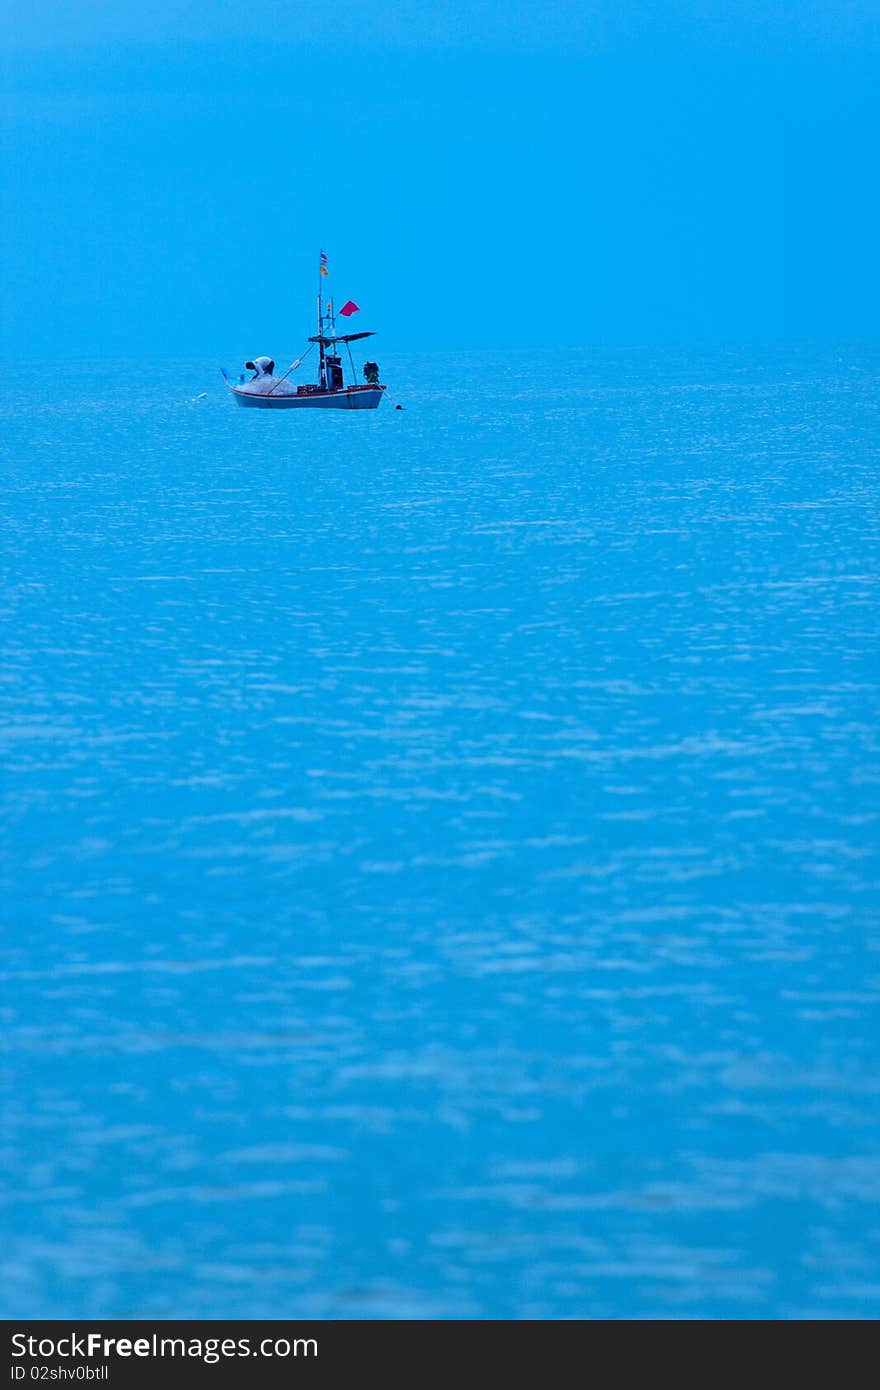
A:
478, 173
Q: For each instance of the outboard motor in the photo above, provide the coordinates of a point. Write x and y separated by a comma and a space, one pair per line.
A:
371, 373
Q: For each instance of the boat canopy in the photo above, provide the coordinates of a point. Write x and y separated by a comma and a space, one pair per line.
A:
342, 338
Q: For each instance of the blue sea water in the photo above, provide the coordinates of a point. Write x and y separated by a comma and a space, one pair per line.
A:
441, 846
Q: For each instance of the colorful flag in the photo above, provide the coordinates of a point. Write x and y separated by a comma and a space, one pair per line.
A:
349, 309
324, 270
323, 266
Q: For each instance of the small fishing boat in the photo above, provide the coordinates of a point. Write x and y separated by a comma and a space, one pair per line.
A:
265, 390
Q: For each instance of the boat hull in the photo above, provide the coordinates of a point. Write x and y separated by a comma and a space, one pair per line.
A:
350, 398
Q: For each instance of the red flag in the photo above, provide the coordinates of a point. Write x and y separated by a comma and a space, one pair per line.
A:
349, 308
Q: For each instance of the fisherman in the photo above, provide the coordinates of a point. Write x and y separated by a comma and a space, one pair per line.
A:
371, 373
261, 366
264, 382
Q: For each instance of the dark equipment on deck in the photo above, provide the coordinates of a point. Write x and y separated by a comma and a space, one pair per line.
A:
371, 373
333, 365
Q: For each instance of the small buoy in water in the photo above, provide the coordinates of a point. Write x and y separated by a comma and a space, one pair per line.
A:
398, 407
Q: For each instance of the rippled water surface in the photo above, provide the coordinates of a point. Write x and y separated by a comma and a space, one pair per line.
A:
441, 846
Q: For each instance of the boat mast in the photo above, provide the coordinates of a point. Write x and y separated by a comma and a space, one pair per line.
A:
331, 319
321, 374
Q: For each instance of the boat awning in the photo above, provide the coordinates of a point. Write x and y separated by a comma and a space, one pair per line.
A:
343, 338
